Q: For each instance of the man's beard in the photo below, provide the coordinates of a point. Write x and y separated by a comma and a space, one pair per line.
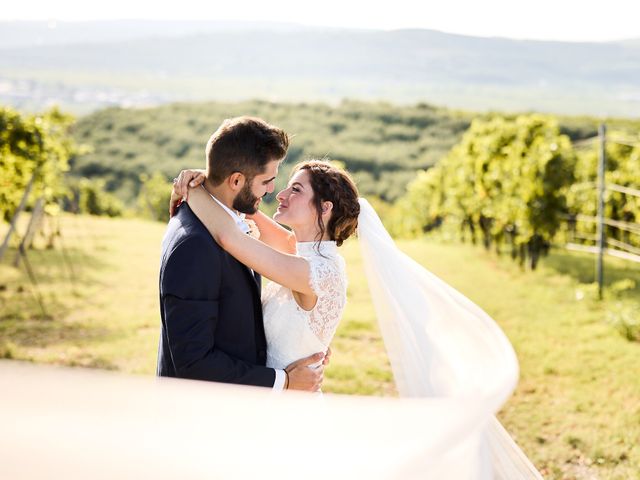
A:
245, 201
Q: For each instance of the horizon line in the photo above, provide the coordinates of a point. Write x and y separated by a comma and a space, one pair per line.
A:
54, 21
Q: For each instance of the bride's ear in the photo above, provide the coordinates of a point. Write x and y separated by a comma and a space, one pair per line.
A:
236, 181
327, 207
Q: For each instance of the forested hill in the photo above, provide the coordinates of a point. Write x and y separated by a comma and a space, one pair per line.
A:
381, 144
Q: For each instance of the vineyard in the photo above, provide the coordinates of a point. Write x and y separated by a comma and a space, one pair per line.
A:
517, 184
606, 198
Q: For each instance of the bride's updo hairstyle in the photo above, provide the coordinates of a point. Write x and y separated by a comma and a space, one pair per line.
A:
333, 184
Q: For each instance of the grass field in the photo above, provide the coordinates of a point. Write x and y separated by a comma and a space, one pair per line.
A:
576, 411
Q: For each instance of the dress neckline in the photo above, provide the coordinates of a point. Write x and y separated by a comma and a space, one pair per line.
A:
311, 248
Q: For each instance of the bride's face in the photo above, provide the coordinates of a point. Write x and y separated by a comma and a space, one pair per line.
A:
295, 206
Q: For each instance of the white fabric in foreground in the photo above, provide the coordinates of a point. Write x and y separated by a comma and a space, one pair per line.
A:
88, 424
441, 345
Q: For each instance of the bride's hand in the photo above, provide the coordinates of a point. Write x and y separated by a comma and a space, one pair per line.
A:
327, 357
181, 185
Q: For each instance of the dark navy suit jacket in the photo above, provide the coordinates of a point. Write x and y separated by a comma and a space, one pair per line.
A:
210, 307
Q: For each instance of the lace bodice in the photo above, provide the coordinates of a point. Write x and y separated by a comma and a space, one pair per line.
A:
292, 332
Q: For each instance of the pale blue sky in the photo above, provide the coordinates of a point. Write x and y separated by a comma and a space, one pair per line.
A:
572, 20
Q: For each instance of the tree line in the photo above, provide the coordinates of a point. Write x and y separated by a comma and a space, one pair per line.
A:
506, 181
517, 183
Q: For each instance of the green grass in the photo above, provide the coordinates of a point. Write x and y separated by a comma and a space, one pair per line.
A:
575, 412
107, 317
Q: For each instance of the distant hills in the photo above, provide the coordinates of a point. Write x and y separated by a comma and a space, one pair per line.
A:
382, 145
36, 34
85, 66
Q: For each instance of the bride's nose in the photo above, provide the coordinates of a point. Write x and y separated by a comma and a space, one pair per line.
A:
281, 195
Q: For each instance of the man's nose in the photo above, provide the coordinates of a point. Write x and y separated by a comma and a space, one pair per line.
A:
271, 187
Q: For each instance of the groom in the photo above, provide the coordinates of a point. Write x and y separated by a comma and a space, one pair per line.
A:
209, 302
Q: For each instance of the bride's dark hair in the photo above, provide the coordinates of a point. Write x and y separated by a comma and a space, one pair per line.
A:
335, 185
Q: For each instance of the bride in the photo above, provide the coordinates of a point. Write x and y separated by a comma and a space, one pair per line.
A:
442, 347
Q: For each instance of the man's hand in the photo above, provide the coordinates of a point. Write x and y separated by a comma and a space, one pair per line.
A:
181, 185
304, 377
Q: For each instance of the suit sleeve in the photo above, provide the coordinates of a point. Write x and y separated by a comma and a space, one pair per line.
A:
190, 299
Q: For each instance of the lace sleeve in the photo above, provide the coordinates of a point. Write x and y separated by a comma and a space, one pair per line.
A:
328, 281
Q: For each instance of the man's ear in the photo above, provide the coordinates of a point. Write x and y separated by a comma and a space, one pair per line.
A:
327, 207
236, 181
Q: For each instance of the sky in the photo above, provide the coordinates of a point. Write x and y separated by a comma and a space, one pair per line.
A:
565, 20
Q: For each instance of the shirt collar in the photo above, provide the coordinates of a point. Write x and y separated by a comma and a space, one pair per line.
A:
237, 216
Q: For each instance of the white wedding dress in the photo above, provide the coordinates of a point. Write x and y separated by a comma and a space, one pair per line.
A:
441, 346
292, 332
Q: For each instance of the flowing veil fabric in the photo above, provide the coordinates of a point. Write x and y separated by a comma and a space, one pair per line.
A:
441, 345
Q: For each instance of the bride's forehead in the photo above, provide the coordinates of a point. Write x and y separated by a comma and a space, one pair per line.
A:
301, 176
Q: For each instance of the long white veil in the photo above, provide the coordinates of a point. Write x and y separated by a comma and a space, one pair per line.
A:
442, 345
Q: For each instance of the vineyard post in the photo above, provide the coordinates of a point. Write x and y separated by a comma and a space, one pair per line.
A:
16, 214
602, 132
34, 223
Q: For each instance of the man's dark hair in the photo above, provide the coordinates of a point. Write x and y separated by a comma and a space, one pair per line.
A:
245, 145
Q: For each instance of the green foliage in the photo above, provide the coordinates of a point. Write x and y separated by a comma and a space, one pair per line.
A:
504, 182
382, 145
31, 145
422, 208
626, 319
20, 148
89, 197
624, 315
621, 168
153, 200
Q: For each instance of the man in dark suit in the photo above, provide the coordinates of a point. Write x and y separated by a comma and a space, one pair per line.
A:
210, 305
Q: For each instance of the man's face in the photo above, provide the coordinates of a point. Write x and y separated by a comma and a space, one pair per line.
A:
249, 198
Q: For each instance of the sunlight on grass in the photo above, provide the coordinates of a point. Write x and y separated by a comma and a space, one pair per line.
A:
575, 412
